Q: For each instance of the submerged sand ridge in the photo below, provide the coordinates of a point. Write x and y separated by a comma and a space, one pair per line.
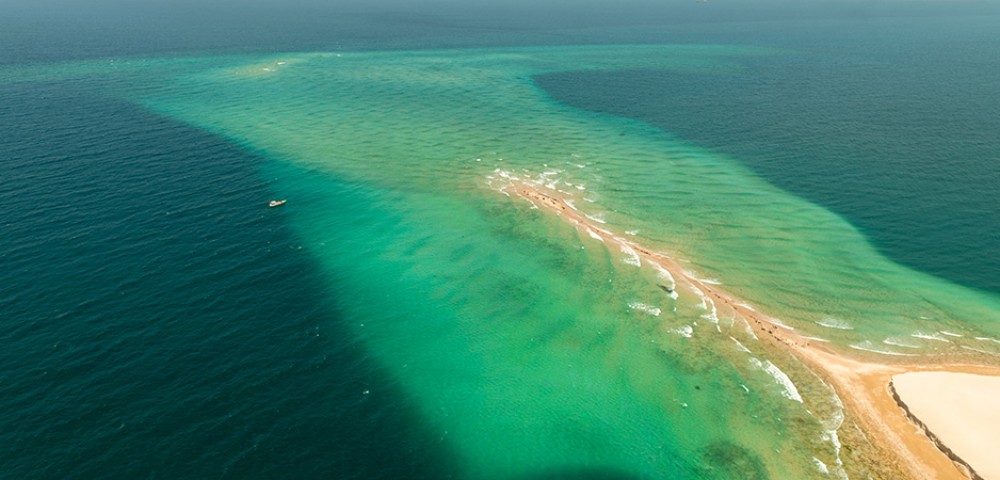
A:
863, 386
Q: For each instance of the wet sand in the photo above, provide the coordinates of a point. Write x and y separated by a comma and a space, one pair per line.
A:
863, 386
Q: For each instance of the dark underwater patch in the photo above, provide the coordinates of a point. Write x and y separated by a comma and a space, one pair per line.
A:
725, 460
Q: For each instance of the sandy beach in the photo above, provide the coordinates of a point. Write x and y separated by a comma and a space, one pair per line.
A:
960, 411
964, 422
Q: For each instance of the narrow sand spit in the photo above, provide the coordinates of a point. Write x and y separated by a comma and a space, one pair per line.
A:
864, 387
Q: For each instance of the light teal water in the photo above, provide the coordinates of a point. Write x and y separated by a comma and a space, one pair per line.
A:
528, 348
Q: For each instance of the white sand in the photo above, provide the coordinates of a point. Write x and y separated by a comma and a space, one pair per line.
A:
962, 410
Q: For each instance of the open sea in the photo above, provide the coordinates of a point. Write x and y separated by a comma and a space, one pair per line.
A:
402, 316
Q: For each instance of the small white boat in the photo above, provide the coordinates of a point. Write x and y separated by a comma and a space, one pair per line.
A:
276, 203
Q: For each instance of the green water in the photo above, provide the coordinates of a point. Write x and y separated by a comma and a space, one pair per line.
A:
529, 348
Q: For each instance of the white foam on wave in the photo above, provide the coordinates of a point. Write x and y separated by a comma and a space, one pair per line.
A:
867, 346
664, 275
713, 314
974, 349
777, 323
830, 435
632, 258
749, 330
597, 217
834, 423
506, 174
631, 232
987, 339
569, 203
816, 339
839, 472
900, 342
642, 307
930, 336
701, 295
739, 345
788, 387
958, 335
821, 466
595, 236
686, 331
834, 322
710, 281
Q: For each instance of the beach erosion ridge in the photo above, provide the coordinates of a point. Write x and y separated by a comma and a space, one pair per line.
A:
900, 425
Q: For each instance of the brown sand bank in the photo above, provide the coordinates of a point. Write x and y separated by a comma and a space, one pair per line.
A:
863, 386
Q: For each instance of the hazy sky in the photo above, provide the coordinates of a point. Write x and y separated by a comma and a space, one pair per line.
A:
746, 7
38, 30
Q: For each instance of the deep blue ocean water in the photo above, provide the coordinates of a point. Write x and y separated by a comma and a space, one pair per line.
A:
158, 321
889, 123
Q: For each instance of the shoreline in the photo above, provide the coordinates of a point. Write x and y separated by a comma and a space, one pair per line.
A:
968, 431
865, 387
930, 434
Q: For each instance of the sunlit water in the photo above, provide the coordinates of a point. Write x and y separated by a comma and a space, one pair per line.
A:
510, 344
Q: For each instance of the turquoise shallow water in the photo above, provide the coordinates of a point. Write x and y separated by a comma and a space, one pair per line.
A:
401, 317
508, 329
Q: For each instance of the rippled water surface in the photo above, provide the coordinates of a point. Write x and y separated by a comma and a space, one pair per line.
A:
402, 316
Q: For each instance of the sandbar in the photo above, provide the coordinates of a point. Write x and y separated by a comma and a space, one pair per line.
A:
864, 386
